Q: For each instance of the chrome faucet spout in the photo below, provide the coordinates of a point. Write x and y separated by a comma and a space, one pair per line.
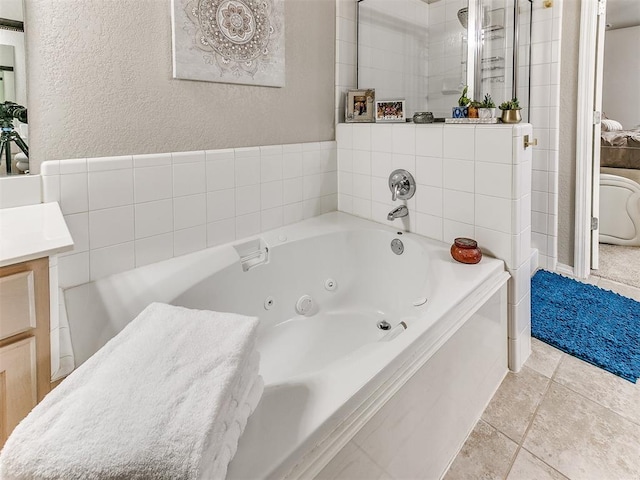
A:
401, 211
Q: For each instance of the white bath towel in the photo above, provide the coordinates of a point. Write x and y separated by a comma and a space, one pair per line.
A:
148, 405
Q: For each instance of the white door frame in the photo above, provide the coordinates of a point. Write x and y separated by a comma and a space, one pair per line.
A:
587, 70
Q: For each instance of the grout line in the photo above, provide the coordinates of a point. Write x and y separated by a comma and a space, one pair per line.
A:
526, 432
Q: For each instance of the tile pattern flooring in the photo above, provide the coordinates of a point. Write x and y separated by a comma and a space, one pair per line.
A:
558, 418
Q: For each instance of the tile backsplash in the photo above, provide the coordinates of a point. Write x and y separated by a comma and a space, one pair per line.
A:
129, 211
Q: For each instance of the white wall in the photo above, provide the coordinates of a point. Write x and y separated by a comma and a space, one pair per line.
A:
620, 99
100, 83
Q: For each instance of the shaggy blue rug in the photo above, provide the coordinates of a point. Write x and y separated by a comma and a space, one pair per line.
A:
595, 325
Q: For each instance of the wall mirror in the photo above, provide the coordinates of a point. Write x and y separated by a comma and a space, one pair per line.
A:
13, 88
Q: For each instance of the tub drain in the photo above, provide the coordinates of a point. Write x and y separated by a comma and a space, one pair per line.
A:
384, 325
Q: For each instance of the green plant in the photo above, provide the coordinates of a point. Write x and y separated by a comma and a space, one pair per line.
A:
475, 104
488, 102
512, 104
463, 101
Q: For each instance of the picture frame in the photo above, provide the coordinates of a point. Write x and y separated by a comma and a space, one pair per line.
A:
391, 111
360, 106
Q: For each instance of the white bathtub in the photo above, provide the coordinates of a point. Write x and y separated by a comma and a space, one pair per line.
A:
329, 371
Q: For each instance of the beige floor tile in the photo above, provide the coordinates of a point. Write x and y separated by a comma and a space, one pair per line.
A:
351, 463
544, 358
613, 392
626, 290
487, 454
513, 405
528, 467
582, 439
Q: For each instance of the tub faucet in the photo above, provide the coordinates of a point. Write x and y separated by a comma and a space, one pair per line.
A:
401, 211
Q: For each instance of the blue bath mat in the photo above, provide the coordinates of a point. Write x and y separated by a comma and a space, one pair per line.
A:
595, 325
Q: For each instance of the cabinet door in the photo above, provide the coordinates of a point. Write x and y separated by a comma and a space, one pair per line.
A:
18, 390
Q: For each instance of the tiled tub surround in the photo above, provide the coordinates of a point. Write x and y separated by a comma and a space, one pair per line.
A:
129, 211
472, 181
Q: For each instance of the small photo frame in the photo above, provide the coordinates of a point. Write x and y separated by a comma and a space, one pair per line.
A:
390, 111
360, 106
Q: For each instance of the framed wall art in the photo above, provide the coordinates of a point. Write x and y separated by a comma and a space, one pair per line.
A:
360, 106
390, 111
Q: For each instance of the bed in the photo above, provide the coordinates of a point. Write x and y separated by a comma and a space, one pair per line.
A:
619, 185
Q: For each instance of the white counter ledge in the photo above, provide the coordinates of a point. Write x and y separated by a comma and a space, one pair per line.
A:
31, 232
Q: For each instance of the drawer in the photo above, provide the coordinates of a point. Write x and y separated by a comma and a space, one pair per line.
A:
17, 304
18, 392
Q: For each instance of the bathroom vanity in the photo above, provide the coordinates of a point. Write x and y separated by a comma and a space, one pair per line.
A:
29, 236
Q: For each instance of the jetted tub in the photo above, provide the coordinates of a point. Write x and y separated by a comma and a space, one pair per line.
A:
320, 289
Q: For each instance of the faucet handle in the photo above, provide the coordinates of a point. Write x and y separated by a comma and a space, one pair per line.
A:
402, 185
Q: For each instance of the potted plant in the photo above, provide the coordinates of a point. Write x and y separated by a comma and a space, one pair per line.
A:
474, 106
487, 108
510, 111
462, 111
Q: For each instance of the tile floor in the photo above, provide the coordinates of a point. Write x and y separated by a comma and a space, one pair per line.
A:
558, 418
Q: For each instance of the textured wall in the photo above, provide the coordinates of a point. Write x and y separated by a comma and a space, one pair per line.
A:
568, 112
100, 83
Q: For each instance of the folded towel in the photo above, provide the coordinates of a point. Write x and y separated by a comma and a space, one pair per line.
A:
217, 469
147, 405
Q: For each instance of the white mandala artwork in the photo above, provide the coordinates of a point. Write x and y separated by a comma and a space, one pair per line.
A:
229, 41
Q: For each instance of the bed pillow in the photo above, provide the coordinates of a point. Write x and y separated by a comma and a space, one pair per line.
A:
609, 125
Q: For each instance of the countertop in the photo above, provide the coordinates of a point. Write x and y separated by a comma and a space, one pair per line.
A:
32, 231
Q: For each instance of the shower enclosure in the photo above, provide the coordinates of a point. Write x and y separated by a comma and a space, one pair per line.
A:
426, 51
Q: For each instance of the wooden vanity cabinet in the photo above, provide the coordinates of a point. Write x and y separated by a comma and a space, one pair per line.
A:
25, 349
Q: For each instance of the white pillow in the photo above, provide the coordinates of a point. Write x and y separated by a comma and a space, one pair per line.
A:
610, 125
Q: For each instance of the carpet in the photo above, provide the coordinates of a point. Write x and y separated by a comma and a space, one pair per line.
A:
620, 264
595, 325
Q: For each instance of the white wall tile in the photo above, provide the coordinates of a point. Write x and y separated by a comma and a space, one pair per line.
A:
493, 144
494, 213
220, 173
111, 226
429, 226
459, 206
102, 164
345, 204
429, 171
78, 225
153, 249
152, 183
189, 179
153, 218
362, 162
429, 200
189, 211
362, 186
362, 207
453, 230
382, 138
271, 218
189, 240
220, 232
270, 168
113, 259
75, 165
292, 189
74, 197
221, 204
404, 139
247, 170
248, 225
50, 167
73, 270
151, 160
380, 164
311, 162
188, 157
403, 161
291, 165
111, 188
458, 175
494, 179
459, 142
361, 137
344, 135
271, 195
292, 213
496, 244
429, 139
247, 199
51, 188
